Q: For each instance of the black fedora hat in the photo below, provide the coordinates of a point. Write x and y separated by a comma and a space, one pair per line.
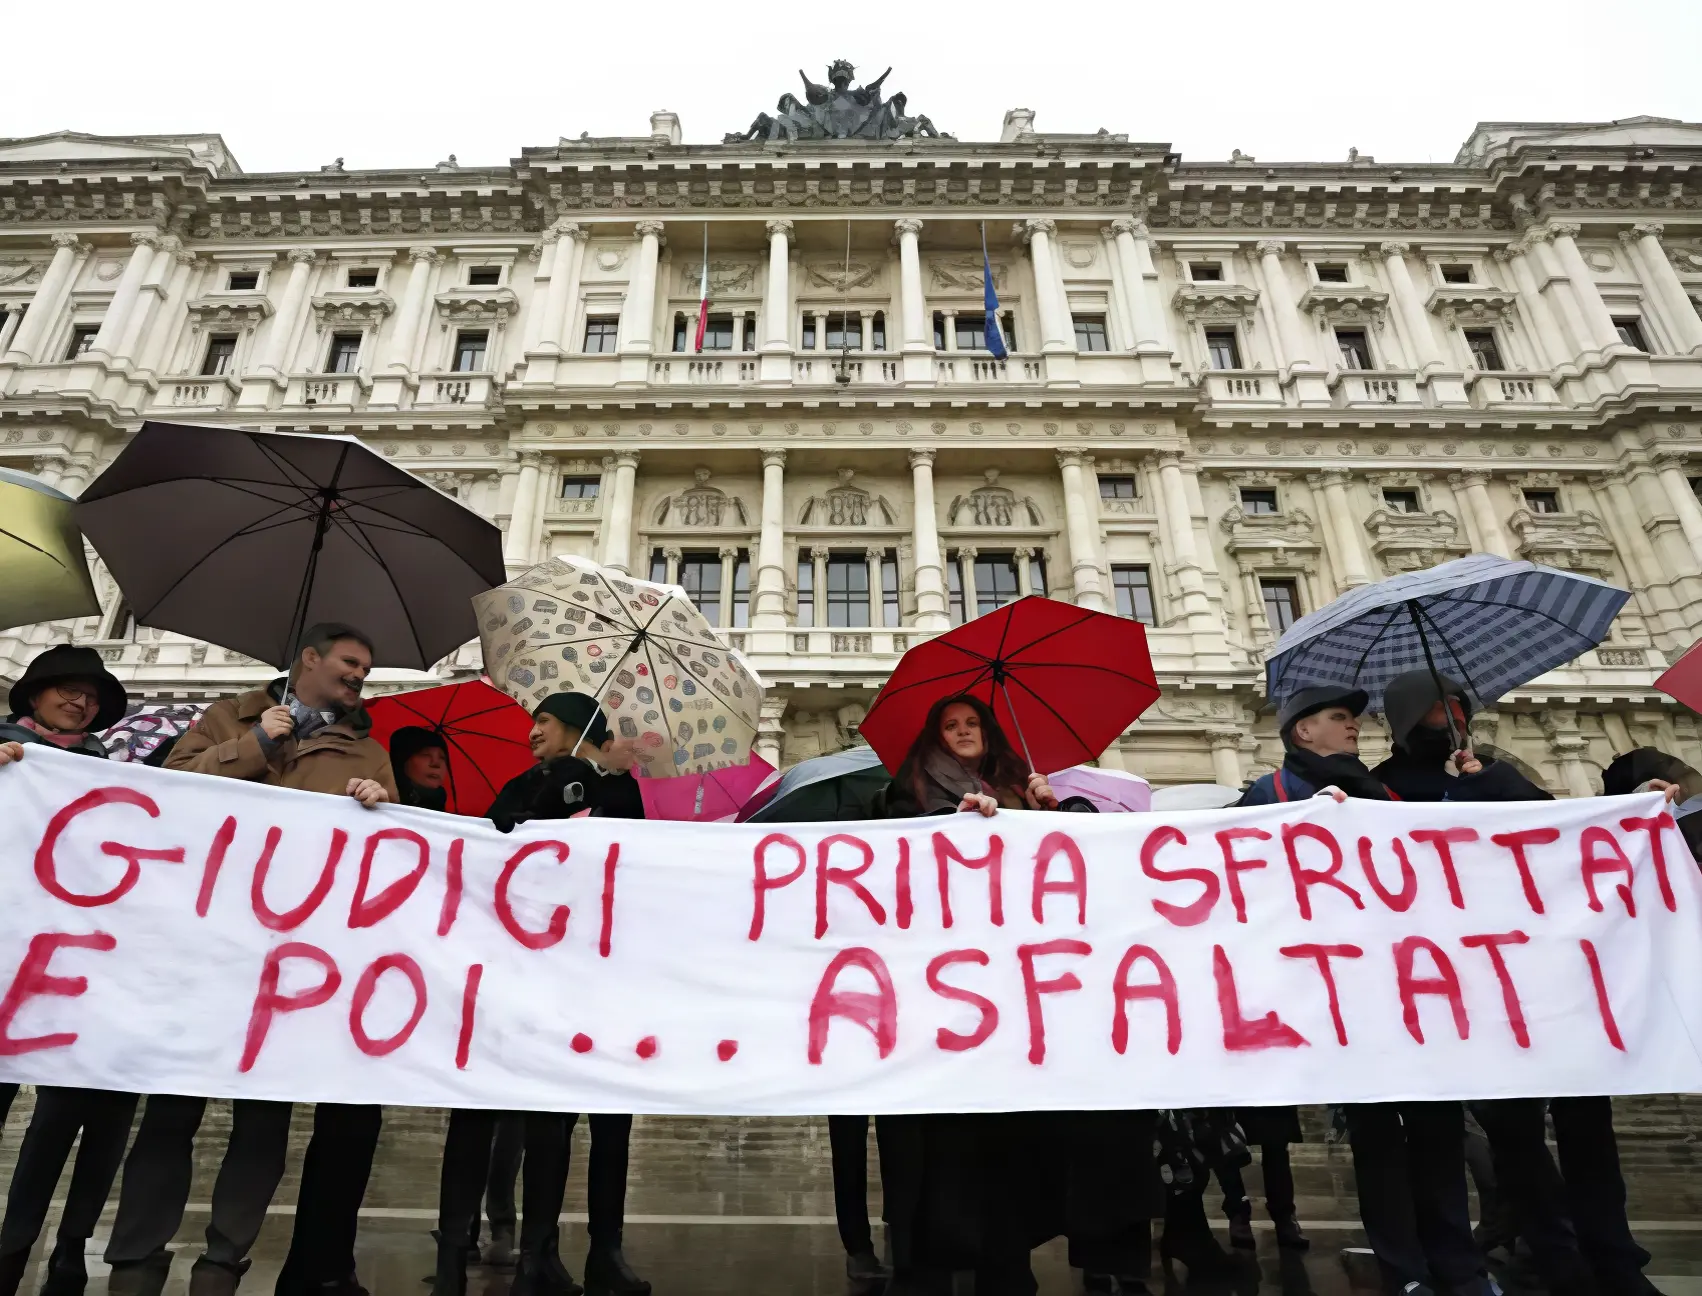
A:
68, 662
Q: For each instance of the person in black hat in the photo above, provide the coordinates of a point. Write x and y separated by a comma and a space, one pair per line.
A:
65, 697
1320, 739
582, 768
1428, 715
419, 758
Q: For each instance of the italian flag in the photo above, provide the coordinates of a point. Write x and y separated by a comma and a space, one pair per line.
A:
702, 297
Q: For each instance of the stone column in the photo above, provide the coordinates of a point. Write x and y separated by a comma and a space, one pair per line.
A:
820, 318
966, 577
1055, 331
1474, 484
1415, 322
32, 331
818, 560
564, 278
1648, 578
1568, 746
1675, 481
931, 611
106, 342
638, 314
406, 332
1084, 549
875, 557
8, 330
949, 329
1598, 323
523, 517
769, 610
1226, 757
1024, 582
913, 328
1140, 285
1548, 337
1179, 532
729, 555
153, 291
770, 731
617, 530
777, 296
532, 330
1664, 284
865, 330
1291, 336
1341, 526
671, 557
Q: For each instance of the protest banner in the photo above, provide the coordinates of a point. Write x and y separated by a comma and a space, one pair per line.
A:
174, 933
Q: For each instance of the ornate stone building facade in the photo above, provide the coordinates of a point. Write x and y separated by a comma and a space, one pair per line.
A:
1233, 390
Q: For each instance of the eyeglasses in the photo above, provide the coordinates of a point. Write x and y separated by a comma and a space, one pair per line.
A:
77, 693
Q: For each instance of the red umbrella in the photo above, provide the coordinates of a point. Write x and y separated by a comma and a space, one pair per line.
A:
1063, 682
484, 729
1683, 679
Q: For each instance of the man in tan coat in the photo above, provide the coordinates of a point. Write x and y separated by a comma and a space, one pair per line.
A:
319, 742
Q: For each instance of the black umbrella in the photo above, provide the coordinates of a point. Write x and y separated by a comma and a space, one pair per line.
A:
246, 538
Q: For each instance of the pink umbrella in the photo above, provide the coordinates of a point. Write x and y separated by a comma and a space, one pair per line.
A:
1112, 791
701, 798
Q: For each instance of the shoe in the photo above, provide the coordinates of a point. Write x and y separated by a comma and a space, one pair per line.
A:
1203, 1257
1288, 1233
1113, 1284
865, 1272
608, 1274
1364, 1273
1241, 1229
145, 1277
67, 1274
540, 1272
451, 1276
210, 1278
499, 1251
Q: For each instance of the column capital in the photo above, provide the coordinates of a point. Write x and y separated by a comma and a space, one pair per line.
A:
1225, 739
1128, 225
907, 225
68, 241
1022, 555
921, 459
1648, 229
1562, 229
564, 229
673, 553
819, 551
1170, 459
779, 227
728, 551
419, 252
147, 238
531, 458
874, 553
625, 458
1679, 459
774, 458
968, 551
1270, 247
1329, 477
650, 229
1394, 248
1073, 458
1470, 477
1026, 230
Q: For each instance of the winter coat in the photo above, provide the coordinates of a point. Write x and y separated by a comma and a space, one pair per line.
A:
548, 791
9, 732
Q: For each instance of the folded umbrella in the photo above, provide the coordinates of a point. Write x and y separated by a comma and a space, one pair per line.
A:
247, 538
660, 671
1111, 791
485, 732
43, 574
1491, 623
1062, 681
841, 785
704, 798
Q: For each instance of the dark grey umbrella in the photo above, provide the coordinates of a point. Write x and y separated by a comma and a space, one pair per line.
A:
246, 538
840, 785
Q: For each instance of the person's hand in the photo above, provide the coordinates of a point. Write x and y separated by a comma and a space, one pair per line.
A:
1040, 794
980, 802
1334, 793
369, 792
618, 755
1466, 763
277, 723
1657, 785
10, 752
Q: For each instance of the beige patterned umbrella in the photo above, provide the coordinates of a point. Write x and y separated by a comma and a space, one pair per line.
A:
643, 650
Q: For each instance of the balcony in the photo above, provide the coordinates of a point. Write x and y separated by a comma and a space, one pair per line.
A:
951, 369
188, 395
1354, 387
1491, 390
701, 371
871, 367
336, 392
574, 507
1241, 387
477, 390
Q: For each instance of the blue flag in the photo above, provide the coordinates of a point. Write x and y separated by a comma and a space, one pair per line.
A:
995, 339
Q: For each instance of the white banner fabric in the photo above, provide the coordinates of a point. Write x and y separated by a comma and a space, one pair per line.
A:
175, 933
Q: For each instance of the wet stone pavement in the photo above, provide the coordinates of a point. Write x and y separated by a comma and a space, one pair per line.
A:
730, 1207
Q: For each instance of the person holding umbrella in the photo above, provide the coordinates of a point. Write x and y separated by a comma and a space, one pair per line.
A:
1428, 715
963, 761
317, 741
64, 697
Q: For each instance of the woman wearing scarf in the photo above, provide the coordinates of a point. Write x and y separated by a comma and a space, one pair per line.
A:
419, 758
63, 699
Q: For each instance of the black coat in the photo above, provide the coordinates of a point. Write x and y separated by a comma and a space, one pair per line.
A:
560, 789
1418, 778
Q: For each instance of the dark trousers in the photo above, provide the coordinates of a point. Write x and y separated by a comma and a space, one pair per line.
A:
1279, 1184
1111, 1190
549, 1142
1572, 1217
103, 1120
508, 1146
1410, 1166
848, 1139
334, 1173
158, 1170
7, 1093
481, 1157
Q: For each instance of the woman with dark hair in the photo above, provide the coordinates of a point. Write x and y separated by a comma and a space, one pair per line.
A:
419, 758
962, 761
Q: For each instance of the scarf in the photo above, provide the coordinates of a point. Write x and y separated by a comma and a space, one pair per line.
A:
1342, 770
68, 741
946, 781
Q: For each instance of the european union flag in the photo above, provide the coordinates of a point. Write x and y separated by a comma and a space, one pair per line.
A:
995, 339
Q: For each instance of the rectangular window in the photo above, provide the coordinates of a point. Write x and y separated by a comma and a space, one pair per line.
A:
1542, 501
700, 577
1090, 333
1116, 487
1331, 273
1258, 501
844, 331
581, 488
847, 590
243, 280
1355, 348
971, 332
1225, 354
889, 589
1205, 272
1401, 501
221, 355
82, 338
1282, 603
877, 327
806, 589
995, 582
954, 588
470, 351
345, 353
807, 340
1133, 587
682, 339
1630, 330
602, 333
939, 330
1485, 354
717, 333
363, 278
484, 276
658, 567
742, 590
1456, 274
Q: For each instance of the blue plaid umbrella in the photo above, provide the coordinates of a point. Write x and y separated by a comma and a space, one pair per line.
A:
1488, 622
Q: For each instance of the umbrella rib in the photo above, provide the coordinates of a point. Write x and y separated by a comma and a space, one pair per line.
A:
1378, 638
51, 557
1087, 614
1453, 652
1068, 727
985, 672
142, 614
454, 741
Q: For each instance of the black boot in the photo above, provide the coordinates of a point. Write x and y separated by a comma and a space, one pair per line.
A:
608, 1274
13, 1266
451, 1276
1288, 1232
1200, 1253
145, 1277
1241, 1226
499, 1251
210, 1278
540, 1272
865, 1274
67, 1274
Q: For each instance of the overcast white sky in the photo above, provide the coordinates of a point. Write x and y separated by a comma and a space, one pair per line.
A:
292, 85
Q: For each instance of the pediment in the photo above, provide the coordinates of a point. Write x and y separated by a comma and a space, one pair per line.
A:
77, 146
